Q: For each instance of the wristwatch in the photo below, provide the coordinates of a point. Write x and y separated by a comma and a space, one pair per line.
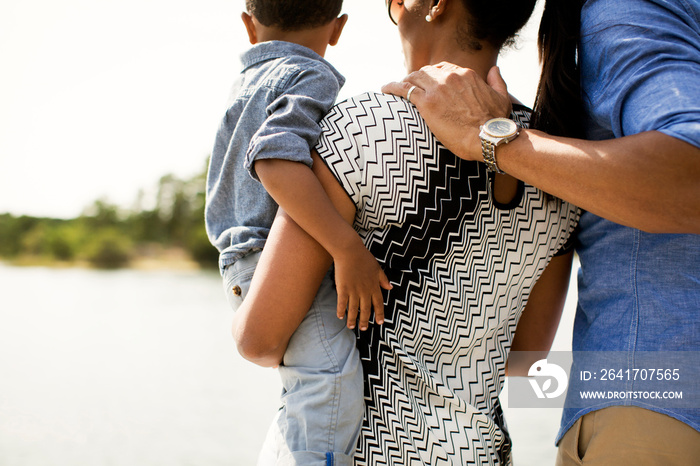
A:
493, 133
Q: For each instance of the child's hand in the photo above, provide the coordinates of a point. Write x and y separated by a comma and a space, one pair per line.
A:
359, 280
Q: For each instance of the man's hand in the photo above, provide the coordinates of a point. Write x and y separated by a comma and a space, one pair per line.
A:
455, 102
359, 280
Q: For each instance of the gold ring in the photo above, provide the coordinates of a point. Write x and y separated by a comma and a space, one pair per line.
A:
410, 91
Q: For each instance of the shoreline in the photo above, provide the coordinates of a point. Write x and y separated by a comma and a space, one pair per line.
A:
167, 259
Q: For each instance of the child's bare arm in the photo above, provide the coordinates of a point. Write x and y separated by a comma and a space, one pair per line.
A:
359, 278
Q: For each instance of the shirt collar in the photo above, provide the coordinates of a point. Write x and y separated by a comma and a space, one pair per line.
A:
278, 49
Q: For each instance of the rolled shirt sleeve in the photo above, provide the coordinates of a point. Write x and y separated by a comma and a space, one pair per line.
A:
641, 72
292, 126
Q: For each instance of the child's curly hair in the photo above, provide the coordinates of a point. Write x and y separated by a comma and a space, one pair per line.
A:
294, 15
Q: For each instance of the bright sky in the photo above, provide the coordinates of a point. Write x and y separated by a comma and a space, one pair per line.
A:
100, 99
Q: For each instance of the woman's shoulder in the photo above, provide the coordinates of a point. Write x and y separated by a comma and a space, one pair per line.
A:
375, 103
372, 96
372, 114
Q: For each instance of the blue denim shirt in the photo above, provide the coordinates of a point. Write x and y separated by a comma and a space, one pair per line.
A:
639, 293
281, 95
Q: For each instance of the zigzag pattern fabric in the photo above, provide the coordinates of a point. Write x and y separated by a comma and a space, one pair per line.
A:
462, 267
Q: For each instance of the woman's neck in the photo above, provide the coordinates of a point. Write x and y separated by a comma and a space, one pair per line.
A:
445, 39
480, 61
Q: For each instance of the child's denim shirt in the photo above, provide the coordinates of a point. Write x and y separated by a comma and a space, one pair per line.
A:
276, 105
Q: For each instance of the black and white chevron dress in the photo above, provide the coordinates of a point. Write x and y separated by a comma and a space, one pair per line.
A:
462, 267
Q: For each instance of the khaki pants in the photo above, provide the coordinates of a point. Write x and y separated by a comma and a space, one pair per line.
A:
628, 435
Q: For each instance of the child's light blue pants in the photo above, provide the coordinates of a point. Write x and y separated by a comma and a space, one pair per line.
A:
322, 397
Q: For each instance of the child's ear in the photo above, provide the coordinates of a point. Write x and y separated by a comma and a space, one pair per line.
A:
338, 29
250, 27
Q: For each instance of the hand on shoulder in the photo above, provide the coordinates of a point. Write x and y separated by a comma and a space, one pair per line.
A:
455, 102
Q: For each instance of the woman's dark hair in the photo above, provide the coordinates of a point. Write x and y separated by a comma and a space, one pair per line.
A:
496, 22
559, 104
294, 15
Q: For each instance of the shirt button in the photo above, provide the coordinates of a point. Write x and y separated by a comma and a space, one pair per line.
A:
236, 290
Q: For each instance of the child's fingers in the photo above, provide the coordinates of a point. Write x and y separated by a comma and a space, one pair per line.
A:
353, 307
384, 281
365, 311
342, 305
378, 304
352, 318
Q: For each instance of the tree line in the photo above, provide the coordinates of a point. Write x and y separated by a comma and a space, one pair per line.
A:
107, 236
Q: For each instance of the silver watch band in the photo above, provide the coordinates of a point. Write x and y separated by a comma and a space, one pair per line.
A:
488, 150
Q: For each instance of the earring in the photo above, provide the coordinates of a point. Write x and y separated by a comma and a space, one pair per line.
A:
428, 18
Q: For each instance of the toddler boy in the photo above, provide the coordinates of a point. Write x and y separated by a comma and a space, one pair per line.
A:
262, 159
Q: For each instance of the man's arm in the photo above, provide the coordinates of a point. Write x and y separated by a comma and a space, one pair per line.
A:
648, 181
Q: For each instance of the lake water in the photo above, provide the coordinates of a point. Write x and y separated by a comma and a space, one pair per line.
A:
138, 368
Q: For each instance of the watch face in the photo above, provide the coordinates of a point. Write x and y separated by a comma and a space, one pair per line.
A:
501, 127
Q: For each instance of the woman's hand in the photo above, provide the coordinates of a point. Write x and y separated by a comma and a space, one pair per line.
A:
455, 102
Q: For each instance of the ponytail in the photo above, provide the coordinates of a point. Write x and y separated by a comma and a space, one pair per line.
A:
558, 105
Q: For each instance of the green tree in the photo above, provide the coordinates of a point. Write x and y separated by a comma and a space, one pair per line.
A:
108, 249
50, 239
12, 231
107, 236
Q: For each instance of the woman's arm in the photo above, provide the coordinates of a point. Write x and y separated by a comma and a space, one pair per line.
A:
647, 181
297, 190
538, 324
289, 273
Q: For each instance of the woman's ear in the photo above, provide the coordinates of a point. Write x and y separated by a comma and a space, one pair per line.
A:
437, 9
338, 29
250, 27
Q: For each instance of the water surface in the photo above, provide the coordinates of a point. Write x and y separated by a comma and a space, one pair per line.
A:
129, 368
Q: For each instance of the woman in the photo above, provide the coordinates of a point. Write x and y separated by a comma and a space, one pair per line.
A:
462, 248
624, 75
